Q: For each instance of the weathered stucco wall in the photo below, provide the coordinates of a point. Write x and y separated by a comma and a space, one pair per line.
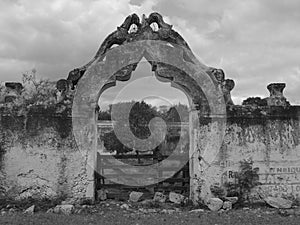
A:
270, 136
38, 155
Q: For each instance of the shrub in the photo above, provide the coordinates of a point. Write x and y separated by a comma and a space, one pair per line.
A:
37, 92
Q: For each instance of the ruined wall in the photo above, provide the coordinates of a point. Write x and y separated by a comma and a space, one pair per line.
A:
38, 154
270, 136
39, 157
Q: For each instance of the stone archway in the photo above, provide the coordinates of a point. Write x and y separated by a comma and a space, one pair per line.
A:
173, 61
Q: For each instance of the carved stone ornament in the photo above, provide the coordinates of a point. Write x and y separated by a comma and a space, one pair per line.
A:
225, 85
122, 35
276, 95
143, 31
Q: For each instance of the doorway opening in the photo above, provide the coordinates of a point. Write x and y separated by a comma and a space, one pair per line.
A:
148, 98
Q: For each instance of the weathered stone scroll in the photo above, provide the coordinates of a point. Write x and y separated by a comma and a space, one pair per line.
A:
124, 34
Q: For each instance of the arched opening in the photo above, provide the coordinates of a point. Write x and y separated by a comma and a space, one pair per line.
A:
191, 78
142, 79
152, 98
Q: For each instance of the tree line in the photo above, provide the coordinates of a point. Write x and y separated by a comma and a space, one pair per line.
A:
140, 115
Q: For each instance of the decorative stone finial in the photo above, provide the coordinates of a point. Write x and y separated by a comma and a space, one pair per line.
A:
62, 87
227, 88
17, 87
276, 89
276, 95
225, 85
123, 35
13, 91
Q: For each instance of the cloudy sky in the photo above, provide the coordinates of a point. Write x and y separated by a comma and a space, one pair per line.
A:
256, 42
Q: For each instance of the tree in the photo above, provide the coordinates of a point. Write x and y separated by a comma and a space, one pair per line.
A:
37, 92
177, 113
140, 115
139, 118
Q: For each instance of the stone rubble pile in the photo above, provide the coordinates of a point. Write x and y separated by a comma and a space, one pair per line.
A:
160, 203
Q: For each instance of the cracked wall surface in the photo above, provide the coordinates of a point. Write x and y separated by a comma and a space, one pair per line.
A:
270, 136
39, 157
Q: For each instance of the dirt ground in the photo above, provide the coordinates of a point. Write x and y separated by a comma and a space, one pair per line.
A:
113, 213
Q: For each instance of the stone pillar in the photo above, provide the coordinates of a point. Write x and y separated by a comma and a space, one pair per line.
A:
193, 154
276, 95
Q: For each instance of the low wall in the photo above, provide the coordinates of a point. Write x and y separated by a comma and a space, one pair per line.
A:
270, 136
39, 157
38, 154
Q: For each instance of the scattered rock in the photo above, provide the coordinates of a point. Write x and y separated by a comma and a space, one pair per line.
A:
30, 210
78, 211
279, 203
168, 211
227, 205
151, 210
3, 213
56, 209
269, 212
148, 210
159, 197
147, 202
102, 194
214, 204
287, 212
85, 201
89, 206
125, 206
221, 211
297, 211
135, 196
12, 210
233, 200
68, 202
176, 198
196, 210
50, 211
64, 209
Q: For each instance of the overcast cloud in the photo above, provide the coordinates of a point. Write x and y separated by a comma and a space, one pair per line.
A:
256, 42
